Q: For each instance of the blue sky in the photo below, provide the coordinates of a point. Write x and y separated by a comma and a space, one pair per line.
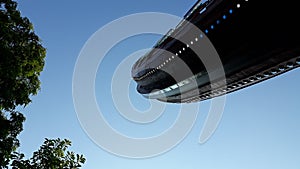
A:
260, 124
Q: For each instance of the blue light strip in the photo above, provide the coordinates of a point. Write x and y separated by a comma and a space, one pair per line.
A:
224, 17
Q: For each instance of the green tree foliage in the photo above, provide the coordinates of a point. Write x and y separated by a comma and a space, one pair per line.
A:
21, 62
52, 154
10, 128
21, 57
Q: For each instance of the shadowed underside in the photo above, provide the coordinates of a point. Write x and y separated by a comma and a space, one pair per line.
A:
255, 40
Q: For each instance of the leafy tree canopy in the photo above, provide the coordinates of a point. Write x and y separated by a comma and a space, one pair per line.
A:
52, 154
21, 62
21, 57
10, 128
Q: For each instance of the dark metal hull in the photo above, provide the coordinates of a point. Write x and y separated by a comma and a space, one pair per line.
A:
256, 40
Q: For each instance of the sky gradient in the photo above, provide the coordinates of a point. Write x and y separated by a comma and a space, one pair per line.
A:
260, 124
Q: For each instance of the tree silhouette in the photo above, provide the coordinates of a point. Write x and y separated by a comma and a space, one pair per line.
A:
52, 154
22, 57
10, 128
21, 62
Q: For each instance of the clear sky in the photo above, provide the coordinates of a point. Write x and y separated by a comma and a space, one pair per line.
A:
260, 124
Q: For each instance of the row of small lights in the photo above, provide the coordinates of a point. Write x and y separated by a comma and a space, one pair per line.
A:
188, 45
248, 81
